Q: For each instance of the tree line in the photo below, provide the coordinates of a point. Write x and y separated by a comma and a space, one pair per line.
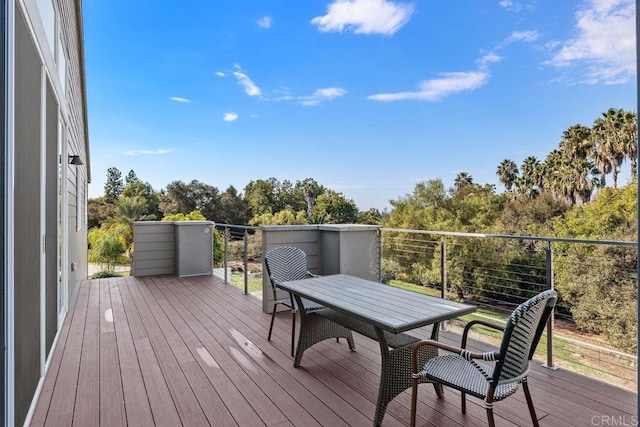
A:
264, 201
582, 161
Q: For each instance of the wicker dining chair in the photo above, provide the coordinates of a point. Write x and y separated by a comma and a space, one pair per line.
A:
460, 370
283, 264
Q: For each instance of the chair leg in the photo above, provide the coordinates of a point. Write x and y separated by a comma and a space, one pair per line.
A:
293, 331
490, 419
532, 410
414, 398
439, 390
463, 395
488, 404
273, 316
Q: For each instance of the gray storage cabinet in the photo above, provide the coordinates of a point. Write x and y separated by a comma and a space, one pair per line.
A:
193, 248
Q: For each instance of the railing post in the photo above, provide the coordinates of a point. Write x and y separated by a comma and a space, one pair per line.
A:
379, 231
443, 276
549, 267
443, 268
226, 253
246, 272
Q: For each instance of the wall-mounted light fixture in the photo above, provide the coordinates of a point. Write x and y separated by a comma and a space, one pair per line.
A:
75, 159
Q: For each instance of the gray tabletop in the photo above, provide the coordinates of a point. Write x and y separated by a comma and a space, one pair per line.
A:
392, 309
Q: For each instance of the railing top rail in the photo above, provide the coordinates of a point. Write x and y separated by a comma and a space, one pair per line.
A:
509, 236
243, 227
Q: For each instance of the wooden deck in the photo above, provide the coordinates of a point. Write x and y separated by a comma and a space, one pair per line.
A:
171, 351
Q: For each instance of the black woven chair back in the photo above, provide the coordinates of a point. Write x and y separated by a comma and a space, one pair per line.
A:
522, 334
285, 263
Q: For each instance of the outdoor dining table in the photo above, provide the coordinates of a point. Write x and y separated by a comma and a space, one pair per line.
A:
381, 312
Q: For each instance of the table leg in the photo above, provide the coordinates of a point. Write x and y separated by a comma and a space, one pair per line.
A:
315, 328
395, 375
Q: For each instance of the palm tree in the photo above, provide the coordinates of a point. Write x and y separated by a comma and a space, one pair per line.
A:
609, 138
576, 143
311, 191
570, 172
529, 181
630, 139
130, 209
507, 173
463, 179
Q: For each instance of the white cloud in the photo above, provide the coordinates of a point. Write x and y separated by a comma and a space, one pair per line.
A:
321, 95
179, 99
147, 152
435, 89
604, 47
249, 86
265, 22
515, 6
220, 74
230, 117
364, 16
487, 59
525, 36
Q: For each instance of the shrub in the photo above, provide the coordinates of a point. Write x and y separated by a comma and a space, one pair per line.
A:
106, 247
390, 269
103, 274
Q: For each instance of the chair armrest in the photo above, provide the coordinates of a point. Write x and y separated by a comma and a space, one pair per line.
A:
310, 274
461, 351
477, 322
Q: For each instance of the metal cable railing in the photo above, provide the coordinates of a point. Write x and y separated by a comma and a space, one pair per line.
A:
594, 327
242, 249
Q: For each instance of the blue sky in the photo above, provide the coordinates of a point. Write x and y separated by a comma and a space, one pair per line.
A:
368, 97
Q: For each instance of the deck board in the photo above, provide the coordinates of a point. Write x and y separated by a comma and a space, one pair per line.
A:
135, 397
63, 396
193, 351
161, 403
87, 408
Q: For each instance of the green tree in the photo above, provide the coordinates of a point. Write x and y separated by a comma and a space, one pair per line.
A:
131, 178
532, 217
427, 208
597, 282
234, 209
146, 192
191, 216
261, 196
180, 197
114, 186
373, 217
106, 247
507, 173
99, 211
283, 217
332, 207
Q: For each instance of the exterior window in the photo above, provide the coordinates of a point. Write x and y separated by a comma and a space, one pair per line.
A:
48, 16
61, 58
